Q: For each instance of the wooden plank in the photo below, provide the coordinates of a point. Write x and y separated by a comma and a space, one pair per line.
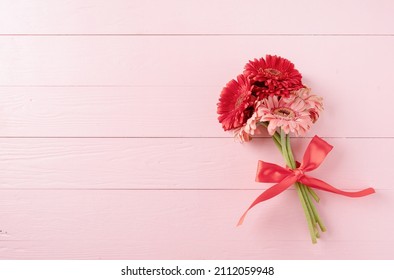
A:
167, 112
188, 225
167, 163
337, 64
136, 250
196, 17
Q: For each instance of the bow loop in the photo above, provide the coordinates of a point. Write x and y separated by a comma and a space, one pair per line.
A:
315, 154
271, 173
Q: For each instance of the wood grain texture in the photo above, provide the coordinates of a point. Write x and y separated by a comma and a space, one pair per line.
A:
173, 111
196, 17
188, 225
178, 163
345, 64
110, 146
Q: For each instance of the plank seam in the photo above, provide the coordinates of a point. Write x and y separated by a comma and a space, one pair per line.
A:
180, 137
193, 35
162, 189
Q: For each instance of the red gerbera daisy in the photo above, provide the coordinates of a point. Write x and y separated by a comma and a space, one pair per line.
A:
273, 75
236, 103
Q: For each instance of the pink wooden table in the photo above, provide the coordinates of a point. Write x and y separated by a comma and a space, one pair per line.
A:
110, 147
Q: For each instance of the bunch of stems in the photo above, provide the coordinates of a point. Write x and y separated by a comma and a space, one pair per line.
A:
305, 193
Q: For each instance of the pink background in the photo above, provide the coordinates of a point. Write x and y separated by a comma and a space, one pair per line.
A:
110, 147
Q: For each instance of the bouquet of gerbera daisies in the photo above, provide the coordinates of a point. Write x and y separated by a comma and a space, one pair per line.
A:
270, 95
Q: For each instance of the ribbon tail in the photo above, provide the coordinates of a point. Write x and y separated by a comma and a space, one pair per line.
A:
321, 185
270, 193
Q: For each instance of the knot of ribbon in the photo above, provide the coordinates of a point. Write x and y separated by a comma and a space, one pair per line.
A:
298, 172
314, 155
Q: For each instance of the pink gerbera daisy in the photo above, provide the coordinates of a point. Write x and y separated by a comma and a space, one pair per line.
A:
245, 133
236, 103
314, 102
273, 75
290, 117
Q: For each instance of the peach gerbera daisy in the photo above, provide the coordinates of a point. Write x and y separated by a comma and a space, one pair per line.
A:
314, 102
289, 116
245, 133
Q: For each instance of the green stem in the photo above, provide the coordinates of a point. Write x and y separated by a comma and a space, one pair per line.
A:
289, 158
290, 152
277, 143
313, 194
282, 142
314, 211
284, 148
307, 215
308, 203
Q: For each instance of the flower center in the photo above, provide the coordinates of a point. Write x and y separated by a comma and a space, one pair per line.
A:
239, 101
284, 112
272, 71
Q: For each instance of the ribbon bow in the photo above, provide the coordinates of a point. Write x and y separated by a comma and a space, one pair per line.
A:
315, 154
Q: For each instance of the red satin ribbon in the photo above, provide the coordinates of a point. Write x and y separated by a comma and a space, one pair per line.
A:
315, 154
